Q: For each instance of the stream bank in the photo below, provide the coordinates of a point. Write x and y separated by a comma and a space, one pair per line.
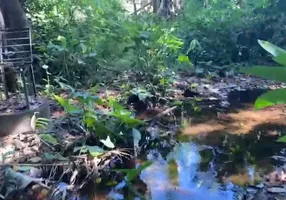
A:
212, 145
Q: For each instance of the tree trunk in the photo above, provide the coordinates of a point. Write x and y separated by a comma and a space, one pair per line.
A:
13, 14
134, 7
155, 6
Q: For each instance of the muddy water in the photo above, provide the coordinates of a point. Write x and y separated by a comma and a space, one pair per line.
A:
212, 166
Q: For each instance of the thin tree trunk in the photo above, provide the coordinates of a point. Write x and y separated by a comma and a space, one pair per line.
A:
206, 3
155, 6
240, 3
135, 7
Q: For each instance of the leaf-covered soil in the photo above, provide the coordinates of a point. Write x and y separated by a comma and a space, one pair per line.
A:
17, 103
192, 107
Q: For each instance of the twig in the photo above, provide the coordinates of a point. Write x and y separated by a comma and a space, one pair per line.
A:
53, 148
134, 6
139, 9
161, 114
34, 165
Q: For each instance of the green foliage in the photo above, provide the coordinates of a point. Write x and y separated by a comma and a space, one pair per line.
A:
282, 139
93, 150
275, 73
41, 123
279, 54
69, 108
268, 72
79, 40
141, 93
271, 98
225, 32
75, 38
49, 139
104, 119
131, 174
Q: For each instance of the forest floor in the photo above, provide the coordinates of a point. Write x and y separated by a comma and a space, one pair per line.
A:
216, 137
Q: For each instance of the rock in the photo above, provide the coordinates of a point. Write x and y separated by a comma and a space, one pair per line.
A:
35, 159
35, 148
18, 144
30, 138
22, 137
189, 93
260, 186
276, 190
252, 190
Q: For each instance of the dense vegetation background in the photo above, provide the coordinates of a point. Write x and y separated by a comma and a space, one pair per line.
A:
129, 77
87, 42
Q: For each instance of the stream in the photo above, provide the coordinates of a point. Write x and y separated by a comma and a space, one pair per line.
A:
214, 166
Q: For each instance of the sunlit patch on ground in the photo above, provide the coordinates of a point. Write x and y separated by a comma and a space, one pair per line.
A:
241, 121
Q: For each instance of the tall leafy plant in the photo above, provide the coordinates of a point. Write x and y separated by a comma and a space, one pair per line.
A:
104, 119
77, 39
277, 73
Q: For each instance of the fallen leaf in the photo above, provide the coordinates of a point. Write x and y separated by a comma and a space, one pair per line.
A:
35, 159
49, 138
108, 143
93, 150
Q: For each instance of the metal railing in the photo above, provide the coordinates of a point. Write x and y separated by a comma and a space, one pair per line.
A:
16, 53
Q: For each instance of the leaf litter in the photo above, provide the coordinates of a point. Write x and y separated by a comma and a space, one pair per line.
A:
61, 167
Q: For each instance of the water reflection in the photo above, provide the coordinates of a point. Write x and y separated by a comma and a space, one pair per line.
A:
190, 184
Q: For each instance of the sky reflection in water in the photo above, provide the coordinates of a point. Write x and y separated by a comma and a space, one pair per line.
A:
189, 184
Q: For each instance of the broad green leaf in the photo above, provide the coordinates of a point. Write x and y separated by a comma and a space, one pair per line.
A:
41, 126
52, 157
107, 142
63, 40
126, 117
281, 59
133, 173
136, 137
89, 119
40, 119
141, 93
193, 45
93, 150
101, 129
282, 139
271, 98
49, 138
267, 72
83, 149
130, 121
67, 105
279, 54
143, 96
183, 58
66, 87
115, 105
94, 89
42, 123
55, 47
